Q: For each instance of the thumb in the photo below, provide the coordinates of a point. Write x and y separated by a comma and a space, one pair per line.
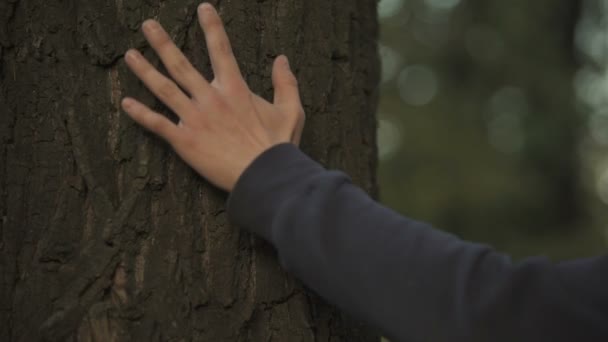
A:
287, 96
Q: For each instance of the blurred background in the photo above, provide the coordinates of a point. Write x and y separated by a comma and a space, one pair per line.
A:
493, 121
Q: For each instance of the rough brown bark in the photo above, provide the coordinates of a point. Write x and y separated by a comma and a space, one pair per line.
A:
105, 233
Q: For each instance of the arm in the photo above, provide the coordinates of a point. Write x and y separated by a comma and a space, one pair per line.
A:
412, 282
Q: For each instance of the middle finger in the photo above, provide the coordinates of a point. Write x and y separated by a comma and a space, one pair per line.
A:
177, 64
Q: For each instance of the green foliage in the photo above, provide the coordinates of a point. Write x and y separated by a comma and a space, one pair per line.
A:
480, 127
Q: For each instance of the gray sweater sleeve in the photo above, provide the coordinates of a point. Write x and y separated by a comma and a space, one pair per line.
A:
403, 277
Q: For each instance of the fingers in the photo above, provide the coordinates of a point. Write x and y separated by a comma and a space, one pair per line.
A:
287, 95
151, 120
174, 60
225, 67
165, 89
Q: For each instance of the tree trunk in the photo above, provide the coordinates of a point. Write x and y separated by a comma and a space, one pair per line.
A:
106, 235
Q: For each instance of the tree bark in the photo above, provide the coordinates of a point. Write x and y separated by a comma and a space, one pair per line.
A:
106, 235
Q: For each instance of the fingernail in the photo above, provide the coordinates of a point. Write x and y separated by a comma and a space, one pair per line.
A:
132, 55
127, 103
205, 8
151, 25
286, 63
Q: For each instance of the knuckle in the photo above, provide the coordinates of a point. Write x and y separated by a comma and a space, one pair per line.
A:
166, 90
298, 114
214, 23
222, 46
291, 81
298, 119
163, 41
181, 66
215, 101
301, 114
237, 88
157, 124
187, 141
146, 72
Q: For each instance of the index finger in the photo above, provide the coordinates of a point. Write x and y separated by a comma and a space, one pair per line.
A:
223, 62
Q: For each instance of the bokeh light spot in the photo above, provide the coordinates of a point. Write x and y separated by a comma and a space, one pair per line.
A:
598, 127
391, 61
602, 186
389, 8
442, 4
389, 139
507, 107
418, 85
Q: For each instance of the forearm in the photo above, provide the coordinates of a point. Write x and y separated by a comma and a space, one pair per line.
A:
409, 280
360, 256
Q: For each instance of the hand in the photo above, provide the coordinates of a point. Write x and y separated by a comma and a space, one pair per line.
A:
223, 126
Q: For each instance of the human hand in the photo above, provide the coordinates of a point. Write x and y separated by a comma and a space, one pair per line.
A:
223, 126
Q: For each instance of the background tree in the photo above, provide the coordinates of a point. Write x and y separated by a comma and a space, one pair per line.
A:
105, 233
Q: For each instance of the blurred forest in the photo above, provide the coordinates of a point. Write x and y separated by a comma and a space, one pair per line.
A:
493, 121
